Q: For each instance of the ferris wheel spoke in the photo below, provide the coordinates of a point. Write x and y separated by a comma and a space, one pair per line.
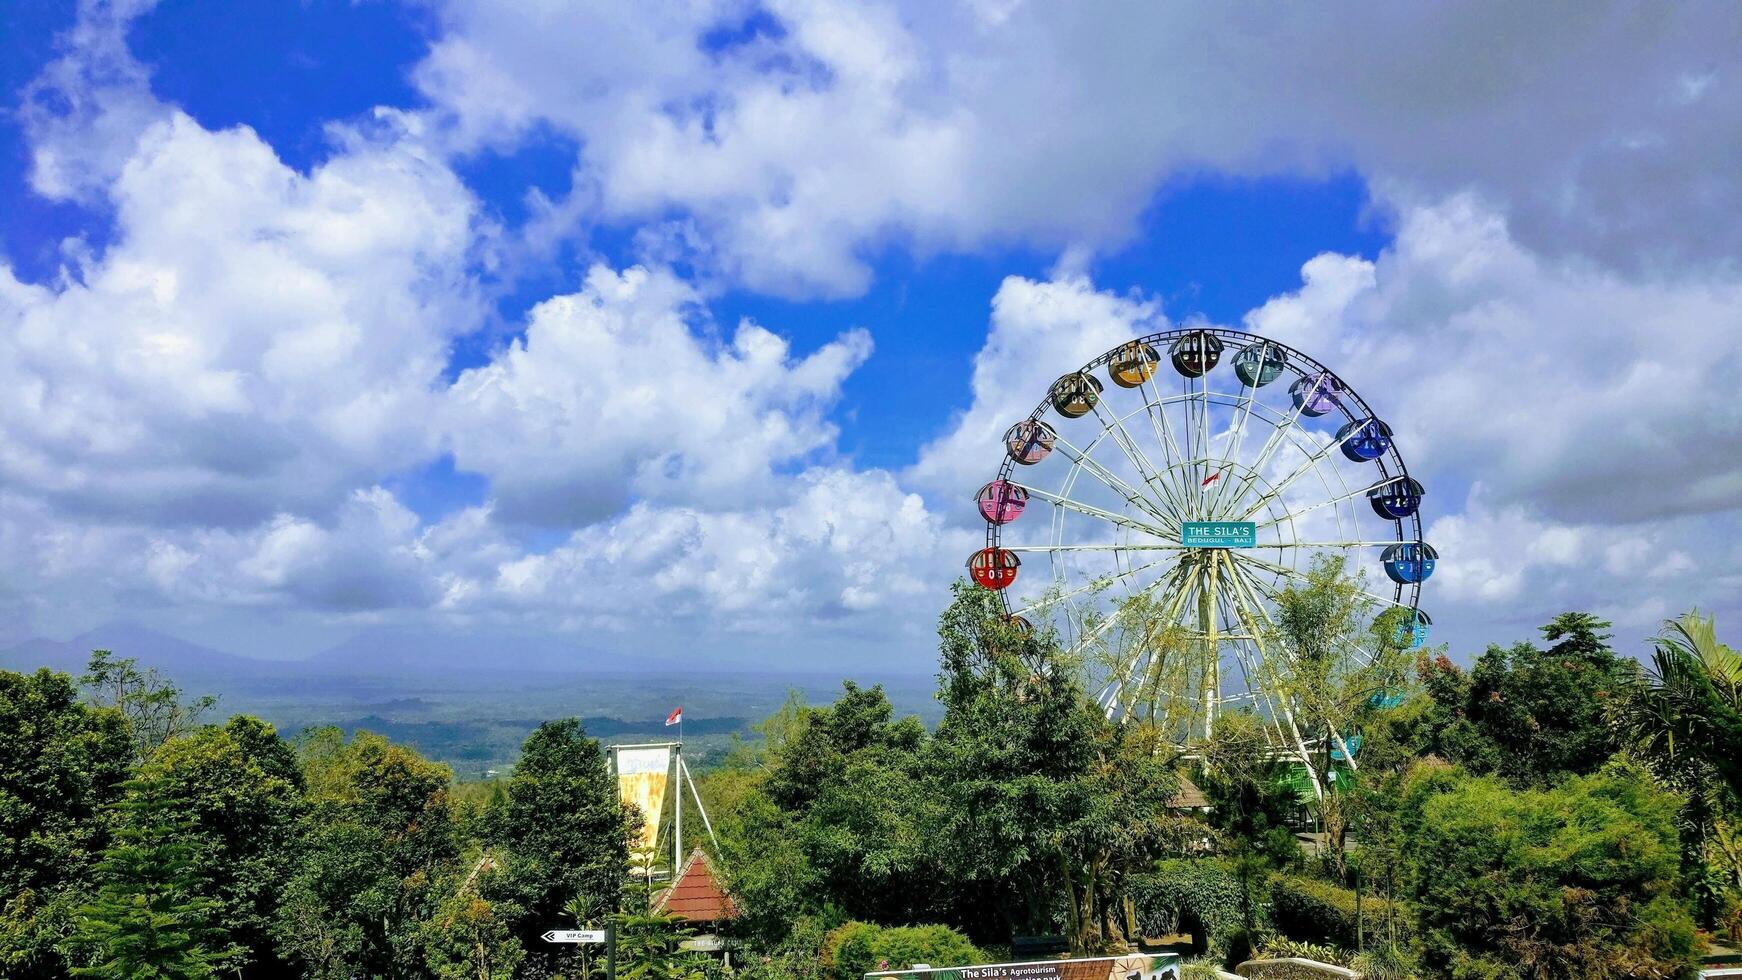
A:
1089, 465
1281, 700
1156, 408
1301, 577
1235, 441
1090, 510
1053, 548
1139, 664
1275, 440
1312, 461
1324, 545
1203, 390
1100, 582
1113, 618
1151, 476
1331, 502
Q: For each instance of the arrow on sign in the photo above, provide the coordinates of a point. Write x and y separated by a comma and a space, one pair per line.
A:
575, 936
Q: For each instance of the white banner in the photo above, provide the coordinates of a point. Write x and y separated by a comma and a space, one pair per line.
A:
641, 778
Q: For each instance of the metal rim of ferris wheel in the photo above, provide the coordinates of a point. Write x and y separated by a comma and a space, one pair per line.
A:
1140, 464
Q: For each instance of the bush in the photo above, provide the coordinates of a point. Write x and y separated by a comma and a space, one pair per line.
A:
1570, 881
1320, 912
858, 948
1180, 891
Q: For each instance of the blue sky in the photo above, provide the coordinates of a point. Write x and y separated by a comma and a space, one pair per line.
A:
333, 317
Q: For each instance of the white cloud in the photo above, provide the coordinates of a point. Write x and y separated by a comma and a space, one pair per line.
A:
1039, 331
614, 396
1586, 394
253, 339
792, 154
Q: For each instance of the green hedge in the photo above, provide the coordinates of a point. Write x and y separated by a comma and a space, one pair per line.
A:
857, 948
1205, 889
1320, 912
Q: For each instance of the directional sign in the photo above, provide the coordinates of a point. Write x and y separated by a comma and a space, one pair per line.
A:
575, 936
1218, 534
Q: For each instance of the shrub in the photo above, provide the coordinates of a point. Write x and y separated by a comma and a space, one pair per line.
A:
1178, 891
857, 948
1570, 881
1320, 912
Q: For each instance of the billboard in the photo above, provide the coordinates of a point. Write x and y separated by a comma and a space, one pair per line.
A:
1137, 966
641, 779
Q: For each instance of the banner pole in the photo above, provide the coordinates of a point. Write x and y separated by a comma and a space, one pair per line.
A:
677, 815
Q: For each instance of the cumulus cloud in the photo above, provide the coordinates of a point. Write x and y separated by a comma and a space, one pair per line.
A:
205, 412
617, 393
1039, 330
787, 139
1589, 395
253, 339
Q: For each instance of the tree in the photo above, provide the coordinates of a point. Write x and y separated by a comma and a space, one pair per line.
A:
1684, 718
1332, 668
839, 815
150, 702
470, 938
560, 829
149, 919
1569, 882
61, 766
379, 837
1043, 794
1541, 715
243, 800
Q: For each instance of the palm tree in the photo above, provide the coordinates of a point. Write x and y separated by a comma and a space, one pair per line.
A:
1685, 719
1690, 707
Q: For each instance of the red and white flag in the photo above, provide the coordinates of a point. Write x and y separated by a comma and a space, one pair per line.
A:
675, 717
1213, 477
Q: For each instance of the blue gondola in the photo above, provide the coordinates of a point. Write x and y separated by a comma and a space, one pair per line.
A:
1395, 499
1409, 562
1259, 364
1364, 441
1412, 632
1317, 394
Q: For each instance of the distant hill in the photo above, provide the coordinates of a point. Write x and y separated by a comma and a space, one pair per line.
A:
174, 657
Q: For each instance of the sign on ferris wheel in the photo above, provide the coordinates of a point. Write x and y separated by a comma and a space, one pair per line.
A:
1219, 534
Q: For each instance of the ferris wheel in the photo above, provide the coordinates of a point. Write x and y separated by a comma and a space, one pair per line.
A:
1171, 513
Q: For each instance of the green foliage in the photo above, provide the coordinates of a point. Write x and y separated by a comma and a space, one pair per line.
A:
61, 765
1566, 882
1249, 792
242, 798
1684, 719
1178, 893
150, 702
1282, 947
839, 812
469, 939
149, 918
1318, 911
648, 948
857, 948
1535, 716
379, 834
558, 829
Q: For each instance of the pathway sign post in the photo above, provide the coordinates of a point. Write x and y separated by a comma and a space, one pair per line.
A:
607, 935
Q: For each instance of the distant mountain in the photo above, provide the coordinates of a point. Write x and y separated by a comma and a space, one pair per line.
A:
171, 655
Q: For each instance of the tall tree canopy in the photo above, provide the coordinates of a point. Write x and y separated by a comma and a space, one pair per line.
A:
558, 833
61, 764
